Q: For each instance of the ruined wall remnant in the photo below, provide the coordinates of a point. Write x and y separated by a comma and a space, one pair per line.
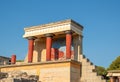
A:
17, 76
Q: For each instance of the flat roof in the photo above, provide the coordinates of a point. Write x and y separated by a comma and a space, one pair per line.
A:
56, 28
4, 57
114, 71
55, 23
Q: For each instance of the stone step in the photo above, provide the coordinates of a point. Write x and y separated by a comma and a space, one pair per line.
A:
88, 71
88, 65
89, 75
82, 56
85, 60
91, 80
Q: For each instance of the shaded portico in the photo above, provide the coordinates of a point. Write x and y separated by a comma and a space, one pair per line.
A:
114, 75
54, 55
67, 29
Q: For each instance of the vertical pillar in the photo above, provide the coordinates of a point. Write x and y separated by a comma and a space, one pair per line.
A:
30, 48
118, 79
48, 46
112, 79
68, 44
5, 62
81, 44
13, 59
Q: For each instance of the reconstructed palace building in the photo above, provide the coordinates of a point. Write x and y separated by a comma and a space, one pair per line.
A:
4, 60
54, 55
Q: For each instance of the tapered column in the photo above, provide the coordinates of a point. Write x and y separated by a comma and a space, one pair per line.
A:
68, 44
112, 79
30, 48
48, 46
13, 59
118, 79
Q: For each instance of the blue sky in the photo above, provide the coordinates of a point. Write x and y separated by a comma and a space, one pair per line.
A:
100, 18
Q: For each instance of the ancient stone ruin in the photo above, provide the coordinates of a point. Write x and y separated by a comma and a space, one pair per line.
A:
17, 76
55, 54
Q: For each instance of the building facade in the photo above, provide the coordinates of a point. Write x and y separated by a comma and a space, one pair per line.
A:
114, 75
55, 54
4, 60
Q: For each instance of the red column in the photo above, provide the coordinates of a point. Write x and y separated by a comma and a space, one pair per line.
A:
68, 44
48, 48
13, 59
112, 79
30, 49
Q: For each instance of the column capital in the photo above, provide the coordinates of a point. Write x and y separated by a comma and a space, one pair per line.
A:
31, 38
68, 32
49, 35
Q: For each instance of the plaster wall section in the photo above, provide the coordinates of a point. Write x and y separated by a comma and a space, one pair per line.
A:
39, 50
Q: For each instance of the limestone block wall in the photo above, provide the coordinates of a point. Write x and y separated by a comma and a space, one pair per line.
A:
75, 73
52, 71
59, 74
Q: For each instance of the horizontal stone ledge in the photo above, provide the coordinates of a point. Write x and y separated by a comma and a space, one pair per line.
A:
42, 63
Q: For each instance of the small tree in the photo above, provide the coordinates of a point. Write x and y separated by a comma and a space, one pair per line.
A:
101, 70
115, 65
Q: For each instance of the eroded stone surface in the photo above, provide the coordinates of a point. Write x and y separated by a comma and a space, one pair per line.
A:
17, 76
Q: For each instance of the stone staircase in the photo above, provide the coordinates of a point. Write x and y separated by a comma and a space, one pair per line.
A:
87, 72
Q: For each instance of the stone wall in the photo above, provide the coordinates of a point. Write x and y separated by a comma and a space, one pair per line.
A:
51, 71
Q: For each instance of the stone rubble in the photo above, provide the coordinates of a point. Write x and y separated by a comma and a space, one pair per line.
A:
17, 76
